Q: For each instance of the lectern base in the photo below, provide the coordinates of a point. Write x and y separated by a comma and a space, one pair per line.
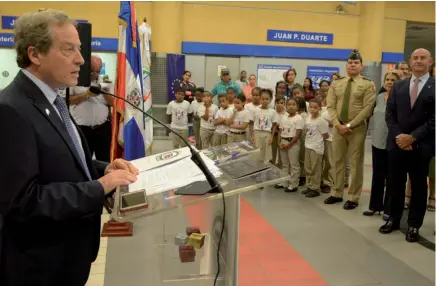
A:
116, 229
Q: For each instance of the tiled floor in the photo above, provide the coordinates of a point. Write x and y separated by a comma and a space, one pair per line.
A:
309, 243
96, 277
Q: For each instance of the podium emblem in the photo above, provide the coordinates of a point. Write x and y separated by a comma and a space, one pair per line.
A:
167, 155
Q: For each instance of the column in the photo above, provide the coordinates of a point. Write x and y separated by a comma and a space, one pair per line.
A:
371, 28
167, 27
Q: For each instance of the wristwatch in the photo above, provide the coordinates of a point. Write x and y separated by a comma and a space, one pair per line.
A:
348, 126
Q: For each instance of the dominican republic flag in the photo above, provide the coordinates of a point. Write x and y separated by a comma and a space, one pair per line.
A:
128, 127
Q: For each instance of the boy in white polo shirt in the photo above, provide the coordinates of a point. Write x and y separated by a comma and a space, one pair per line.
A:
179, 109
221, 121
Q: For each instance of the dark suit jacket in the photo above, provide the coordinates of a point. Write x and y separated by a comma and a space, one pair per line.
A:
51, 211
418, 121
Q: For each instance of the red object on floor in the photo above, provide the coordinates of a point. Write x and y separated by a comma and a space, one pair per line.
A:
192, 229
278, 265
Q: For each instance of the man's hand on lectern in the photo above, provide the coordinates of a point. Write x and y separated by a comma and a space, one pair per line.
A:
115, 179
121, 164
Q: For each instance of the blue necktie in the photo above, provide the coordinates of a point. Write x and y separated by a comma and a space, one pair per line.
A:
65, 115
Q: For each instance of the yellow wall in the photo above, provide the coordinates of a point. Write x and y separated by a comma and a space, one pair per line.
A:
246, 22
394, 35
416, 11
220, 24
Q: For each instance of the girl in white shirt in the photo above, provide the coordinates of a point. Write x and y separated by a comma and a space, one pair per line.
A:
302, 111
291, 127
239, 121
281, 113
263, 122
195, 104
316, 133
207, 112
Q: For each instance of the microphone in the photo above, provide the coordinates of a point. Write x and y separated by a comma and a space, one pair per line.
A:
196, 157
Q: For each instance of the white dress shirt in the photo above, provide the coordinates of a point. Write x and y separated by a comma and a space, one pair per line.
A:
93, 111
422, 80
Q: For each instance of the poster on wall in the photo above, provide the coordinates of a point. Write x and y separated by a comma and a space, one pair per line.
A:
269, 75
317, 74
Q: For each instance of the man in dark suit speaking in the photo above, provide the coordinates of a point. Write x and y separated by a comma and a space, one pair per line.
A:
51, 192
410, 117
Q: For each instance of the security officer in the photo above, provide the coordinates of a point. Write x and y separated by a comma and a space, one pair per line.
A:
350, 101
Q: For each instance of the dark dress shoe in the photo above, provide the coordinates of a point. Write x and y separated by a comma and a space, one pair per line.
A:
349, 205
306, 191
278, 186
312, 194
325, 189
412, 234
288, 190
333, 200
371, 213
389, 227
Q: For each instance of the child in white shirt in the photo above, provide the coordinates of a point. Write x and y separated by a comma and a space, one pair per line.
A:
316, 132
281, 113
290, 131
195, 104
327, 168
255, 97
231, 94
262, 124
302, 111
239, 120
207, 112
179, 109
221, 121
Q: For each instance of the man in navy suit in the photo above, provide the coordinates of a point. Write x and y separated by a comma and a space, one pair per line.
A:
410, 116
51, 192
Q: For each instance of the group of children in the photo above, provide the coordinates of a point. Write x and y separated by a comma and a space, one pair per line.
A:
283, 126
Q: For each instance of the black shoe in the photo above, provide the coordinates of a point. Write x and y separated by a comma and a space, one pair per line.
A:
306, 191
349, 205
302, 181
389, 226
412, 234
278, 186
287, 190
333, 200
312, 194
371, 213
325, 189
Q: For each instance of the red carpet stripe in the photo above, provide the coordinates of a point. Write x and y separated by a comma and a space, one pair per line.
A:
265, 257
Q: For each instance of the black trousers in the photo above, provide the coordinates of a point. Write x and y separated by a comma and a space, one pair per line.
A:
379, 200
99, 140
416, 164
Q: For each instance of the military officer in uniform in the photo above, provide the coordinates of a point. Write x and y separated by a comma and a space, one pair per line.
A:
350, 101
